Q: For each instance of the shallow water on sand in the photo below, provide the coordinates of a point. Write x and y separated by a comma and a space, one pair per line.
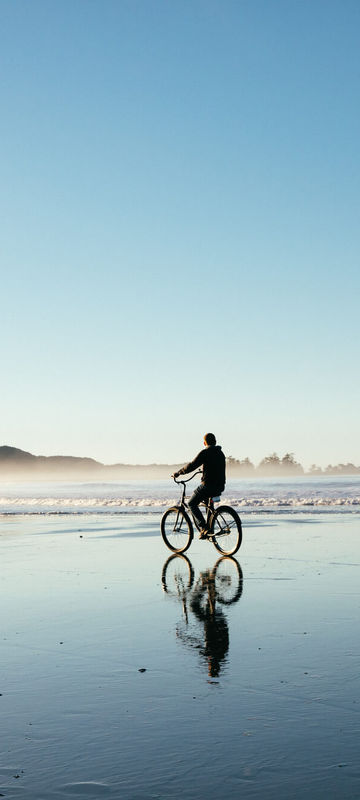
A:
130, 674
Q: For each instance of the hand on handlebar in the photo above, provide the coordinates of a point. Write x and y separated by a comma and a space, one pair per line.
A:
175, 475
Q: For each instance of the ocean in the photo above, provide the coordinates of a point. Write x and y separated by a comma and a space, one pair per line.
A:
270, 495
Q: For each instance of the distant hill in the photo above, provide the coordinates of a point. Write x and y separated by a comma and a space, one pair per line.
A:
11, 455
18, 464
13, 458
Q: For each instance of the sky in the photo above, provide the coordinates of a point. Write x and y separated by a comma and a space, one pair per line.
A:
180, 228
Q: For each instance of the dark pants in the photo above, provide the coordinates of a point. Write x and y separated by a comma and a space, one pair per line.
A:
200, 495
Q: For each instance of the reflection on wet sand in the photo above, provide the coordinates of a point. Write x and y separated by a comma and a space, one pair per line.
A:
204, 625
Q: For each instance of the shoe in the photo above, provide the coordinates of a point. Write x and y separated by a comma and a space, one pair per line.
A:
203, 533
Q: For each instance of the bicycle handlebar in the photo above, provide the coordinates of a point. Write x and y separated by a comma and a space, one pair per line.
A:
188, 479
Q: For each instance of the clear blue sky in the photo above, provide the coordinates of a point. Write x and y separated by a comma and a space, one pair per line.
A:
180, 228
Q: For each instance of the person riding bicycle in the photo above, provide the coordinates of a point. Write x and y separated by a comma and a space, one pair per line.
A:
212, 460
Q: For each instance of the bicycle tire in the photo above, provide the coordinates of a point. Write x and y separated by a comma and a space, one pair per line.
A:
229, 580
176, 529
226, 532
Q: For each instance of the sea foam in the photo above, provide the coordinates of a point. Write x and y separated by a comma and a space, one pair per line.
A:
303, 494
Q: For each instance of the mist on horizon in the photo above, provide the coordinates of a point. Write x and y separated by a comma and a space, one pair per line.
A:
22, 465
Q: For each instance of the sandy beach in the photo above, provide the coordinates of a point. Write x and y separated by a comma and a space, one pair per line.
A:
126, 673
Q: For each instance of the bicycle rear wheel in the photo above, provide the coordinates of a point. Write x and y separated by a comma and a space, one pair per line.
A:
176, 529
226, 530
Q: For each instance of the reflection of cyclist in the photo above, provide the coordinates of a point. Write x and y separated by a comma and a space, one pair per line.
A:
223, 584
216, 632
212, 461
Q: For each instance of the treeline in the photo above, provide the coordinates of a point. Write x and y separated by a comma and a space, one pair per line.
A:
273, 465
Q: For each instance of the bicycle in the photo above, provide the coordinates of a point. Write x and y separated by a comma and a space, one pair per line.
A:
223, 523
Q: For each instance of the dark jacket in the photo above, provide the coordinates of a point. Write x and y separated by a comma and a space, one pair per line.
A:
212, 461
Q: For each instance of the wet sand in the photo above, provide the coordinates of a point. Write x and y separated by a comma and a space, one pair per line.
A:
128, 674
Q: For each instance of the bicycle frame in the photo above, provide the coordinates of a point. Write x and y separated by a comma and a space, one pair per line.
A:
209, 505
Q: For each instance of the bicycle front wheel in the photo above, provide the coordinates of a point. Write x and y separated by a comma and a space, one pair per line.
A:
226, 530
176, 530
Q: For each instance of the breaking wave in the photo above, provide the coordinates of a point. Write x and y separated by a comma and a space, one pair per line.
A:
141, 497
248, 496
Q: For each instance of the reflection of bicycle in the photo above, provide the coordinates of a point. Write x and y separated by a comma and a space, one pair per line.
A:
223, 524
177, 578
204, 626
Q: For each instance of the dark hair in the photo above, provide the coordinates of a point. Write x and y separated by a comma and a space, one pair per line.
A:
210, 439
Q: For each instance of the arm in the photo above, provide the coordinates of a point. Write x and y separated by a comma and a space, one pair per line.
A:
192, 465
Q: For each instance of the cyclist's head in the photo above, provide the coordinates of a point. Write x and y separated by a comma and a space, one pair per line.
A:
209, 439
